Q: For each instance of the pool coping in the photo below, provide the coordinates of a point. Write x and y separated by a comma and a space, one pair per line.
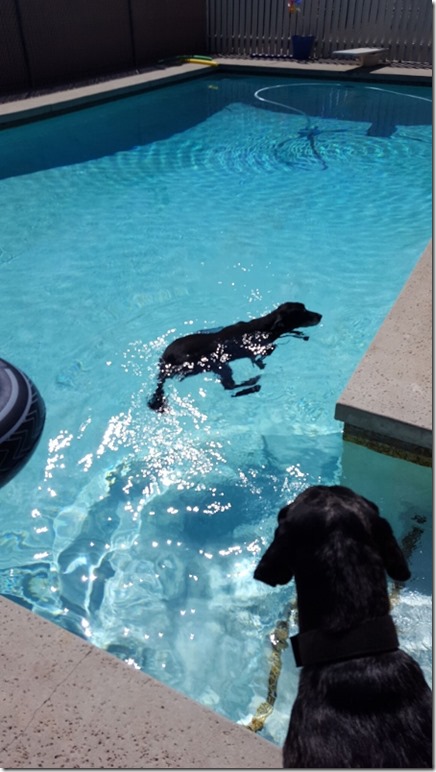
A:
387, 403
65, 703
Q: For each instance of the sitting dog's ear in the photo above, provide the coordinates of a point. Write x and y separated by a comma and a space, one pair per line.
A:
390, 551
276, 565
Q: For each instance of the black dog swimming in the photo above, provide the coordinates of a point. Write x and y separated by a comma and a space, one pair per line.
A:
211, 351
361, 702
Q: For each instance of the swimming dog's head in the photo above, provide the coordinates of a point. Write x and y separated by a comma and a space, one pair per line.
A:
290, 316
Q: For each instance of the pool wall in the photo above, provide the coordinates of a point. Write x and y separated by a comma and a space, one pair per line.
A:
66, 704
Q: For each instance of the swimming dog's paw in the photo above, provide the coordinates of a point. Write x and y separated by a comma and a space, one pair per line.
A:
250, 390
157, 403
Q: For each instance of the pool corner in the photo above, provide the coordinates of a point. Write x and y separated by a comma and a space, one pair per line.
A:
387, 403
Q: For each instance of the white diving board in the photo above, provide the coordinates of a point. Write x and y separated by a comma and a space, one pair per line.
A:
365, 56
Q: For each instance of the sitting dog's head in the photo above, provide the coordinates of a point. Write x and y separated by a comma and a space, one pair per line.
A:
289, 316
309, 522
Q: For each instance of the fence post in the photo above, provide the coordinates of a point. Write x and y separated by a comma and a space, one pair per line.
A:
23, 41
132, 36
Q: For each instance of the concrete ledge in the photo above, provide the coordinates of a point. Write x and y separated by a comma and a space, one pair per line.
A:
331, 70
76, 97
388, 400
67, 705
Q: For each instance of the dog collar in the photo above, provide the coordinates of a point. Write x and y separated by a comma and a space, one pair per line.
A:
317, 647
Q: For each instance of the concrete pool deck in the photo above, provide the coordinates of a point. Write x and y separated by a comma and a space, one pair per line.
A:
66, 704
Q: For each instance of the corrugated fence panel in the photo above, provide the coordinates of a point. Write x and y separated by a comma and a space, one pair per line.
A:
167, 28
69, 39
14, 73
49, 42
244, 27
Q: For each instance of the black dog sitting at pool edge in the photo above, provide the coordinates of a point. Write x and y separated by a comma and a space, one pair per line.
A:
211, 351
362, 703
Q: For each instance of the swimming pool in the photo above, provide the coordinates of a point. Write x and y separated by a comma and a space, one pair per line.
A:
128, 224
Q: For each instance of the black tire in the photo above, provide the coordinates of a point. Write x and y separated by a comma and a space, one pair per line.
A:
22, 418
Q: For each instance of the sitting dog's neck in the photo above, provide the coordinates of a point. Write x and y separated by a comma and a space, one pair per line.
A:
319, 647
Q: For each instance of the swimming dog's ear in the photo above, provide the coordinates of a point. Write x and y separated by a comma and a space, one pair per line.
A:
281, 315
391, 553
276, 565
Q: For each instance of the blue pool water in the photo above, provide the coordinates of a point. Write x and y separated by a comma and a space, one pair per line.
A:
128, 224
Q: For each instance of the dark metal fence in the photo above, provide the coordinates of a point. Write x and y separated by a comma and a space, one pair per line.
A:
245, 27
47, 42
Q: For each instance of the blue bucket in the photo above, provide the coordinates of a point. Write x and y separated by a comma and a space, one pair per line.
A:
302, 46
